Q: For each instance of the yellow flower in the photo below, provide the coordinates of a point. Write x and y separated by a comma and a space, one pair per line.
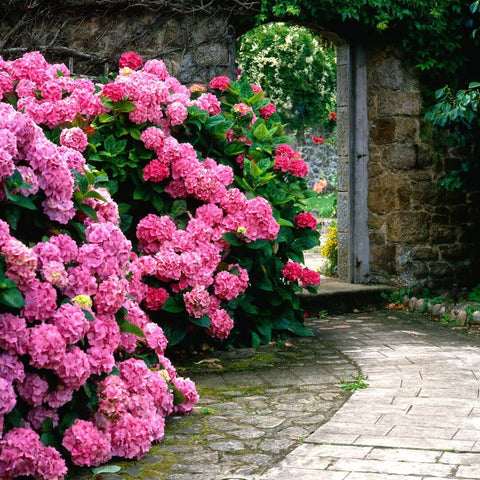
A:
83, 301
242, 230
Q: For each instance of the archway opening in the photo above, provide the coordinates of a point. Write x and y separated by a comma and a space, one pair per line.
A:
297, 69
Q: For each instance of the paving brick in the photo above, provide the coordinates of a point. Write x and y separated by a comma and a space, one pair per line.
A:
392, 467
415, 442
304, 474
404, 455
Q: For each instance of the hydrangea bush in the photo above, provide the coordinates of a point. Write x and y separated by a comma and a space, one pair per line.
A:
246, 134
196, 228
83, 375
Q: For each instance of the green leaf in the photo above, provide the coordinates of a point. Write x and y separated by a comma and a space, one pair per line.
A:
178, 396
110, 144
94, 194
235, 148
261, 131
142, 192
203, 321
89, 316
129, 327
232, 239
124, 106
305, 243
264, 283
21, 201
175, 331
214, 120
106, 469
285, 223
14, 418
179, 207
256, 341
12, 298
105, 118
474, 85
88, 211
255, 172
173, 306
135, 133
49, 439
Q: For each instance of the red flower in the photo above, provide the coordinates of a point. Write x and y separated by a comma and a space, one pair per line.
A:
131, 60
317, 139
333, 116
305, 220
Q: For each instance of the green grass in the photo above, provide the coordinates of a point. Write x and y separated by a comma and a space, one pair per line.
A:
324, 204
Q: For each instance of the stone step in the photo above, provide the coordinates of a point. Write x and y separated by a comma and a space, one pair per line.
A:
336, 296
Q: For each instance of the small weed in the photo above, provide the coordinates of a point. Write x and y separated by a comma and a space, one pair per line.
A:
396, 297
206, 411
323, 314
357, 383
474, 295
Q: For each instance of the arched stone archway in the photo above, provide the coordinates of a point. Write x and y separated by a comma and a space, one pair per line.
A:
395, 225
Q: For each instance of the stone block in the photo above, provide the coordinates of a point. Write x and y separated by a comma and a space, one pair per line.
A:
399, 157
452, 251
376, 221
382, 259
392, 103
343, 210
424, 253
343, 256
343, 174
389, 193
424, 193
442, 234
407, 130
343, 91
408, 227
382, 131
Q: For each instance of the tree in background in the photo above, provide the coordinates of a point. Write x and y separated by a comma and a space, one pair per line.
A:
297, 71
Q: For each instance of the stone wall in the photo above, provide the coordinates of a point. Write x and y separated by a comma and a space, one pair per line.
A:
195, 46
419, 234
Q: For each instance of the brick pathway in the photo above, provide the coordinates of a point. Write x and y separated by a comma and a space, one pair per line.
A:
418, 419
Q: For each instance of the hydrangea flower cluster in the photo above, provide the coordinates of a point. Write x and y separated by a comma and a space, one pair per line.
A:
305, 220
46, 92
293, 272
79, 295
287, 160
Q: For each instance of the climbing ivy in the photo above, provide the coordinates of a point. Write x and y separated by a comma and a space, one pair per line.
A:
436, 35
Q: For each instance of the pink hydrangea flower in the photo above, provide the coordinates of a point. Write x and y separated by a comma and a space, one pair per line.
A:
209, 103
267, 111
220, 83
309, 277
156, 171
131, 60
37, 415
114, 91
130, 437
292, 271
8, 399
221, 324
13, 334
187, 387
305, 220
46, 346
197, 301
74, 138
87, 445
33, 389
155, 298
71, 322
11, 368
